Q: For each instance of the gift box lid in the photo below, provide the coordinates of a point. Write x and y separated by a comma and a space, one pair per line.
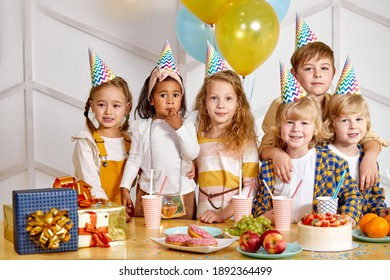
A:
26, 202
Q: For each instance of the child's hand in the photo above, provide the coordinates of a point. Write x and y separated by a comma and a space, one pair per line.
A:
368, 173
174, 119
270, 215
282, 166
385, 212
191, 173
211, 217
126, 201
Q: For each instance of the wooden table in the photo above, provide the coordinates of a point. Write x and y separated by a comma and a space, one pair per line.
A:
138, 246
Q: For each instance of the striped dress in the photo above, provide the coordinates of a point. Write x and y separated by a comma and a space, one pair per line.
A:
219, 171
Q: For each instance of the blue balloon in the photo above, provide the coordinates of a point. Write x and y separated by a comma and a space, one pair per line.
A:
193, 34
280, 7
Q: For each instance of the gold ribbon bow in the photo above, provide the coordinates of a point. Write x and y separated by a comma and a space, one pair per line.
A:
49, 229
83, 189
98, 235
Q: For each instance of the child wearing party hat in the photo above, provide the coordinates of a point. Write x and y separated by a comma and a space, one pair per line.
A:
315, 169
313, 67
163, 142
227, 139
100, 153
347, 121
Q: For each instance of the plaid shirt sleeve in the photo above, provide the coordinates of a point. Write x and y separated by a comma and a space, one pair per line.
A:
373, 198
329, 168
262, 202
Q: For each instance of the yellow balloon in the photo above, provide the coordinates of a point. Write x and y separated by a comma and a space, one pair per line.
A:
247, 32
206, 10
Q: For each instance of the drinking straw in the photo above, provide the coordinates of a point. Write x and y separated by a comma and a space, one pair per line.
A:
240, 182
339, 185
151, 181
300, 183
388, 175
265, 184
163, 184
252, 186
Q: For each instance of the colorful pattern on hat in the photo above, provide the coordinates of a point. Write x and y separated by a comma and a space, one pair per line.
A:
303, 34
291, 89
100, 73
214, 63
167, 60
347, 83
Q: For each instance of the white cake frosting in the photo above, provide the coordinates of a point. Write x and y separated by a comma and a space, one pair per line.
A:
324, 239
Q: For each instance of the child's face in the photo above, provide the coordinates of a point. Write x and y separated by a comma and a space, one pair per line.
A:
349, 129
166, 96
315, 76
221, 102
109, 106
297, 134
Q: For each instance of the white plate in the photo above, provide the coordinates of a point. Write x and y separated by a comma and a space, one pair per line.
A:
184, 229
353, 246
230, 235
222, 243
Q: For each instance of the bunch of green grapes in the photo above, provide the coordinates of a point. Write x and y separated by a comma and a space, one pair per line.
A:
259, 225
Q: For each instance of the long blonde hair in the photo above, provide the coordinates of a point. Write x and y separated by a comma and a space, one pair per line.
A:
242, 128
344, 104
306, 108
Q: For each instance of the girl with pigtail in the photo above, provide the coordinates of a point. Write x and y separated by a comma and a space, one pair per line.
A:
101, 152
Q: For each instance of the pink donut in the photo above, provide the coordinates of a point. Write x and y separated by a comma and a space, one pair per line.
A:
197, 232
196, 242
179, 239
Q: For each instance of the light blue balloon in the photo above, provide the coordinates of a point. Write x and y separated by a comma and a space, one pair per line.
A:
280, 7
193, 34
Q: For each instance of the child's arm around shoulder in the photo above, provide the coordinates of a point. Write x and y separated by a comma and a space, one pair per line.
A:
267, 150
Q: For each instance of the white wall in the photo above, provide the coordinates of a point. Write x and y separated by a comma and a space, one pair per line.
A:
45, 72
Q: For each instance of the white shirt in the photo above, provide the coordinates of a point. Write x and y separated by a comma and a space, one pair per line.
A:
170, 149
303, 169
353, 162
86, 160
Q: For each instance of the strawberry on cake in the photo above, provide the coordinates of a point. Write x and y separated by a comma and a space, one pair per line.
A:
325, 232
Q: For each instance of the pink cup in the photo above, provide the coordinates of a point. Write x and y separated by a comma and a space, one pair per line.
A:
152, 210
282, 206
241, 206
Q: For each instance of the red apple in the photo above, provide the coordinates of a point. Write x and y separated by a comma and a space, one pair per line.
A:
274, 243
249, 241
265, 234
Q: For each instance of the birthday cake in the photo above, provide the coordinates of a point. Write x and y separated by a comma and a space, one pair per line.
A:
325, 232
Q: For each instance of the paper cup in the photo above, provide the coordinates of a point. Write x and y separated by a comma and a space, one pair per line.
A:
282, 206
152, 210
326, 204
241, 206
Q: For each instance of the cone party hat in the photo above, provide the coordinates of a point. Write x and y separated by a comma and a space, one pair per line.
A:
291, 89
347, 83
214, 63
303, 34
100, 73
167, 60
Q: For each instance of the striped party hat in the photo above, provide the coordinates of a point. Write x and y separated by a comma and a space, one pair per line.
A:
347, 83
100, 73
303, 34
291, 89
167, 60
214, 63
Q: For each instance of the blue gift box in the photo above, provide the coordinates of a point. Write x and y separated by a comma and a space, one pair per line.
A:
26, 202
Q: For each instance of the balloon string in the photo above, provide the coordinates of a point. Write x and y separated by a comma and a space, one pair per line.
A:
253, 86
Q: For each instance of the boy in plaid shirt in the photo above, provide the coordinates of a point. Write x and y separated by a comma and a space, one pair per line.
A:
298, 129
